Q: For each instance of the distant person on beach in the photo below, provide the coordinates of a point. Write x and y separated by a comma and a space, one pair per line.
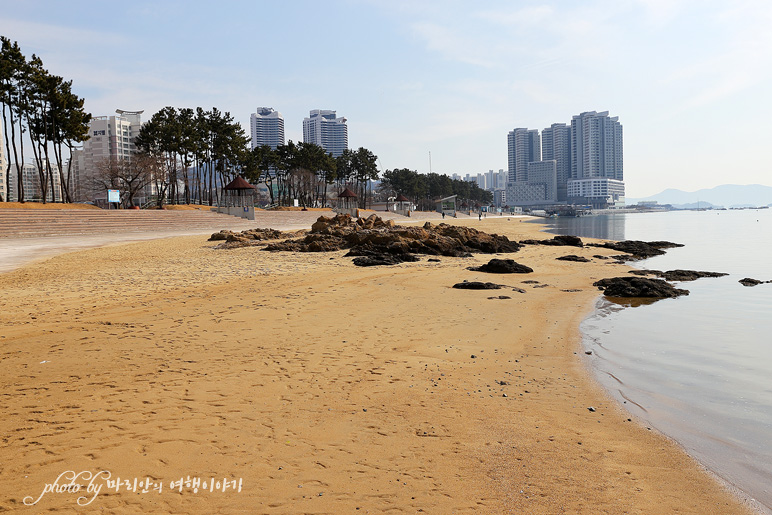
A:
479, 215
443, 215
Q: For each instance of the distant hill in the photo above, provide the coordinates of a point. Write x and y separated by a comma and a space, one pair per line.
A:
726, 195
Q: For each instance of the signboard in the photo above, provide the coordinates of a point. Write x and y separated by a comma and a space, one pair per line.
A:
113, 195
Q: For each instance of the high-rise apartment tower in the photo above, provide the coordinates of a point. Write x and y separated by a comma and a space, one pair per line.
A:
556, 144
326, 130
523, 147
267, 128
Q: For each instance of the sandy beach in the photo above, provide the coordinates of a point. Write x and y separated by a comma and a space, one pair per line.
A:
315, 386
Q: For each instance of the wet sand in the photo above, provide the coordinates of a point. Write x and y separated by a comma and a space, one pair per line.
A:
323, 387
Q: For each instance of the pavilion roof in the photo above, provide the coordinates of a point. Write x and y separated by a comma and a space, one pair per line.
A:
239, 184
347, 193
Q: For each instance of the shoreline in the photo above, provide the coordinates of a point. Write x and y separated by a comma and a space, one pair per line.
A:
450, 436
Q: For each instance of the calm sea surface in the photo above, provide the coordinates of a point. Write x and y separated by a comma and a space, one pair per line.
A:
699, 367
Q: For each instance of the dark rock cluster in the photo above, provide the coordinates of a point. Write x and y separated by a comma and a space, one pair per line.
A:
636, 249
502, 266
678, 275
477, 285
246, 238
373, 236
560, 240
638, 287
572, 257
752, 282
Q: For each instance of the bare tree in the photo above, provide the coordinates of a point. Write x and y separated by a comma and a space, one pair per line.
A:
130, 176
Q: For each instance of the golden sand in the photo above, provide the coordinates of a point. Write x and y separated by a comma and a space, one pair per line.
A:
323, 387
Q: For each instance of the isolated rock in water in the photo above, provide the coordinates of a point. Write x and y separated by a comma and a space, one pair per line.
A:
638, 287
572, 257
752, 282
678, 274
503, 266
664, 244
560, 240
689, 275
476, 285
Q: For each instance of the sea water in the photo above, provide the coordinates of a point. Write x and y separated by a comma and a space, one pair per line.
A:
699, 367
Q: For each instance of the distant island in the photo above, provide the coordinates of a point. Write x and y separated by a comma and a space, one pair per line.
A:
727, 196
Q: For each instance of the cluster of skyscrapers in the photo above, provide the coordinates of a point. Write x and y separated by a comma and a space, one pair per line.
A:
580, 163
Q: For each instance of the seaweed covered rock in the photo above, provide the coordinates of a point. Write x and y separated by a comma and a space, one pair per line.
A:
503, 266
638, 287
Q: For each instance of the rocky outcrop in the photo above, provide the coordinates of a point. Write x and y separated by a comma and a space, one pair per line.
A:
678, 275
560, 240
572, 257
638, 287
636, 249
477, 285
374, 235
502, 266
249, 235
379, 259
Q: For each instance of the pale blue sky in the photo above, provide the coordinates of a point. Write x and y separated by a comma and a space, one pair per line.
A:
689, 79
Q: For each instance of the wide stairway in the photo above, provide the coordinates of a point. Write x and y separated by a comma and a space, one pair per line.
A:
21, 223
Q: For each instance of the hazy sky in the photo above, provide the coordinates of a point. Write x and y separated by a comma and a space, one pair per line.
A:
689, 79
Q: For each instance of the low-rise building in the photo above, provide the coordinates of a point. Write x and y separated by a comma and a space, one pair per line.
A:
597, 192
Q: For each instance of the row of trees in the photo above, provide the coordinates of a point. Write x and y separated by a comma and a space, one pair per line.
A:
40, 114
304, 171
422, 189
197, 152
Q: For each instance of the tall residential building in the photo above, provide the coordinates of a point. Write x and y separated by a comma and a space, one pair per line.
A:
3, 167
31, 181
267, 128
326, 130
110, 137
597, 171
596, 146
523, 147
556, 144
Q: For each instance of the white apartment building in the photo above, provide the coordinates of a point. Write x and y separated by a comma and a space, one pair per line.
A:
523, 147
267, 126
110, 137
325, 129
